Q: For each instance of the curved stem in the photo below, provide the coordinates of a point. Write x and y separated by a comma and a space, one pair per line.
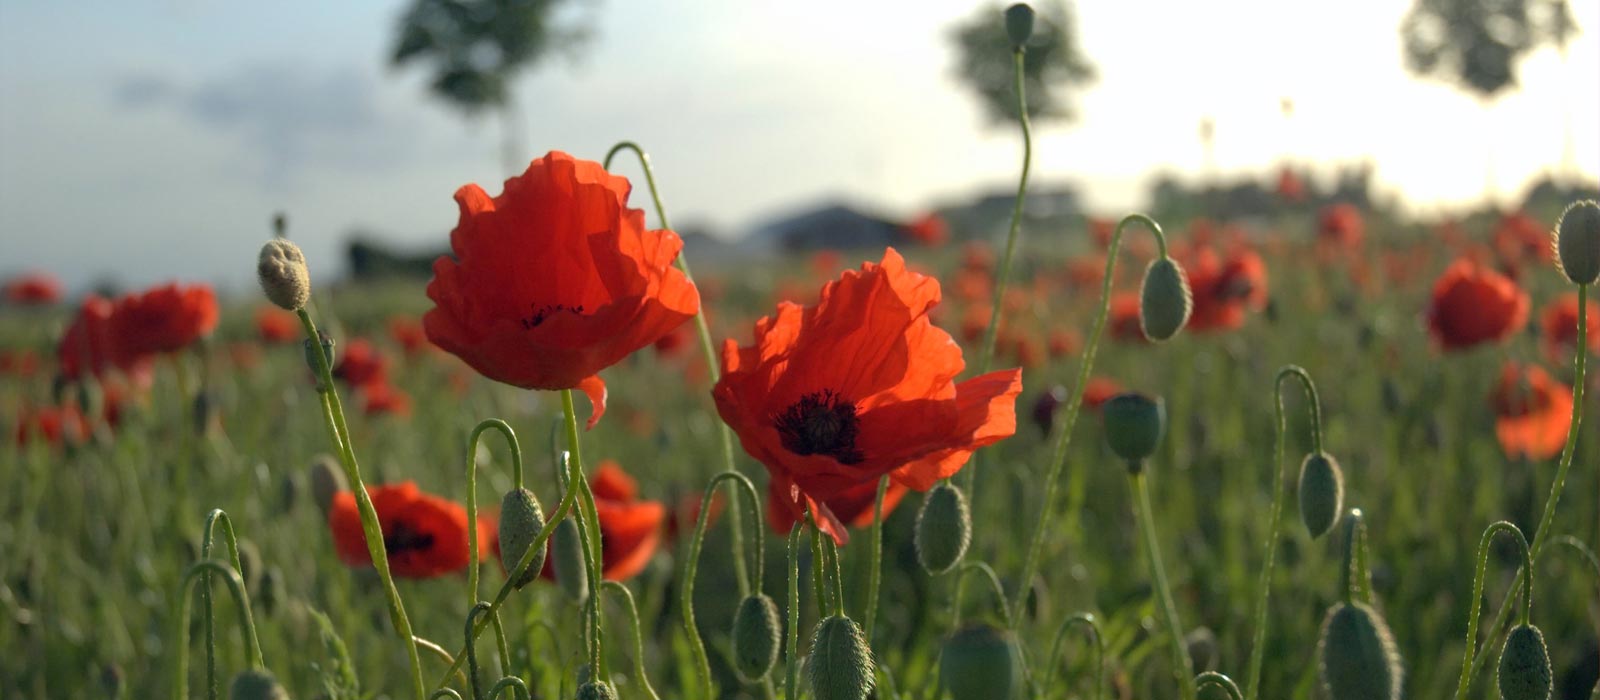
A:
1210, 678
792, 668
1477, 594
986, 350
444, 693
1182, 666
472, 491
1583, 550
691, 565
440, 652
999, 591
1356, 576
472, 648
513, 682
1093, 625
212, 519
877, 558
819, 566
1275, 517
1058, 456
247, 625
638, 636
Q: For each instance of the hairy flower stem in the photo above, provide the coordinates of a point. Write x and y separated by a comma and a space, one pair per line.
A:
626, 596
369, 515
691, 566
791, 665
1275, 516
877, 558
1182, 667
1477, 594
1091, 624
214, 518
247, 625
589, 530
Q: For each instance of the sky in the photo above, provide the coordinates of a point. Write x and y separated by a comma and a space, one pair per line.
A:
148, 140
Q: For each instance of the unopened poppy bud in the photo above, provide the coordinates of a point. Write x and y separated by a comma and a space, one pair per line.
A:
280, 225
755, 637
840, 667
1356, 655
1202, 645
520, 523
256, 684
1134, 425
566, 558
1164, 299
1019, 24
980, 662
944, 529
596, 691
1321, 493
328, 353
283, 274
327, 480
1525, 665
1577, 241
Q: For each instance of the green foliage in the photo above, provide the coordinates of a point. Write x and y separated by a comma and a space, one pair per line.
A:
1053, 67
1476, 44
478, 46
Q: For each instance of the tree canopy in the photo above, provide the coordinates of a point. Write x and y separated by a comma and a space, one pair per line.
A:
1053, 65
1476, 44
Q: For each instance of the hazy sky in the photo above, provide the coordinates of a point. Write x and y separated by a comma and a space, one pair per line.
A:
152, 140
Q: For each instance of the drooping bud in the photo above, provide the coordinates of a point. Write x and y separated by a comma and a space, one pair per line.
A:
256, 684
596, 691
520, 523
283, 274
1525, 665
980, 662
1164, 299
1019, 24
1321, 493
566, 557
840, 666
756, 632
1134, 424
1356, 655
1577, 241
327, 480
944, 529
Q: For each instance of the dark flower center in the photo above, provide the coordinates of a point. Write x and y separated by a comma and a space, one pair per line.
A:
821, 423
540, 313
403, 539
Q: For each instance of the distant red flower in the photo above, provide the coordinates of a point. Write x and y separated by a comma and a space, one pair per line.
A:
383, 398
630, 529
674, 342
929, 229
408, 333
32, 289
274, 325
1519, 237
1064, 342
555, 280
360, 363
1558, 326
1225, 289
424, 535
1290, 186
1098, 391
1124, 324
89, 348
18, 363
825, 263
977, 256
1472, 304
686, 514
1340, 229
1532, 412
55, 425
863, 384
162, 319
1102, 231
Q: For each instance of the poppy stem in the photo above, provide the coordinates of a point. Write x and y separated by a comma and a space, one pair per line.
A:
819, 565
1182, 666
473, 560
1526, 583
472, 649
999, 591
1091, 624
986, 351
831, 550
440, 652
1580, 357
1212, 678
1355, 582
791, 668
626, 595
207, 538
370, 527
1275, 515
877, 557
247, 626
742, 486
589, 527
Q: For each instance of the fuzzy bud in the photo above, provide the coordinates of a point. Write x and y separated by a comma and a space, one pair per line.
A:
1019, 24
520, 523
1525, 665
1321, 493
1356, 655
756, 631
1164, 299
566, 558
256, 684
1134, 425
840, 667
327, 480
1577, 241
980, 662
283, 274
944, 529
596, 691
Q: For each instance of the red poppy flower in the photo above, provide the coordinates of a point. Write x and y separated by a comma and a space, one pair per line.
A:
274, 325
408, 333
32, 289
382, 398
929, 229
1124, 323
1532, 412
1290, 186
162, 319
1098, 391
858, 386
424, 535
361, 364
88, 347
1064, 342
1340, 229
555, 280
1558, 326
630, 529
1224, 289
1519, 237
19, 363
853, 506
1102, 230
1472, 304
54, 425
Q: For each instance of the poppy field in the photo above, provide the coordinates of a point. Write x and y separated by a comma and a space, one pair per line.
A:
1330, 453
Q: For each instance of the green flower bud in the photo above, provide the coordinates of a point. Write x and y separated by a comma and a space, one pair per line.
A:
1164, 299
596, 691
567, 560
283, 274
840, 667
1019, 24
256, 684
1357, 656
1321, 493
980, 662
311, 356
520, 523
327, 480
944, 529
1134, 424
756, 632
1577, 242
1525, 665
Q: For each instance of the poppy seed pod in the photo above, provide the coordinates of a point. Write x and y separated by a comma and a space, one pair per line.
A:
1525, 665
596, 691
256, 684
1321, 493
1019, 24
520, 523
1577, 241
1356, 655
1134, 424
755, 637
840, 667
944, 529
1165, 300
979, 662
283, 274
327, 480
566, 558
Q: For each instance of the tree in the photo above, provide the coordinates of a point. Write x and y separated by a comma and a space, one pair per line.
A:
1053, 64
1477, 43
477, 47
